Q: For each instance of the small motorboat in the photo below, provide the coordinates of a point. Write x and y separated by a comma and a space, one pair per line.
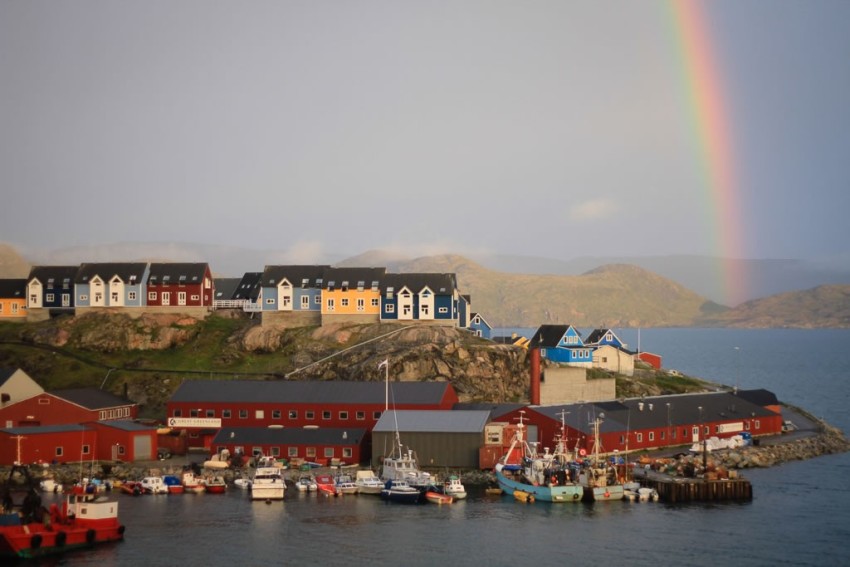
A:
173, 484
436, 497
326, 485
153, 485
454, 488
368, 482
215, 485
396, 490
345, 485
306, 483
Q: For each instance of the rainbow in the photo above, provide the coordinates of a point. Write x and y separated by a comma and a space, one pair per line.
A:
716, 155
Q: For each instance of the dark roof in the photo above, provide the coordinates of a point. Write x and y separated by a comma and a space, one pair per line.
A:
91, 398
6, 373
288, 436
249, 286
759, 397
126, 271
46, 429
439, 283
624, 415
595, 336
433, 421
13, 288
329, 392
296, 275
59, 274
336, 278
549, 335
496, 410
226, 287
177, 272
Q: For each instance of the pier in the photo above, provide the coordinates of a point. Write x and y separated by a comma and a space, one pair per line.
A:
675, 489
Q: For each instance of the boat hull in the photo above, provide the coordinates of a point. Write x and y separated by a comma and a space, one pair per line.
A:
560, 494
437, 498
267, 491
603, 493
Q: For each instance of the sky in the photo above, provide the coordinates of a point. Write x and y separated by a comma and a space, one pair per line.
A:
558, 128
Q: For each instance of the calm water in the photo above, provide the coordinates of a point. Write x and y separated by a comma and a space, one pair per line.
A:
800, 513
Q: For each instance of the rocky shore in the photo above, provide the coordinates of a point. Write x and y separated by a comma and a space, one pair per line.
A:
770, 451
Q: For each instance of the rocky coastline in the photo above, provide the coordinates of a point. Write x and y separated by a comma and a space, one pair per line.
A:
769, 452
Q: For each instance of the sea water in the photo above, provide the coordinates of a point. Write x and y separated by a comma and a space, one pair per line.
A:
799, 515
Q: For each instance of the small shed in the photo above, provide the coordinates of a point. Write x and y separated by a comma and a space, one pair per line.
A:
438, 438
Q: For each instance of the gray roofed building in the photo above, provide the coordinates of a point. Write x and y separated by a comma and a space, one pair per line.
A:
438, 283
13, 288
54, 276
91, 398
308, 276
225, 288
177, 272
127, 272
433, 421
249, 287
352, 278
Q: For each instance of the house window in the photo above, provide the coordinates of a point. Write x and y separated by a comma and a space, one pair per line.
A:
311, 452
86, 449
310, 414
343, 302
121, 449
424, 310
44, 401
151, 296
210, 413
84, 297
329, 452
326, 414
276, 414
639, 437
195, 297
389, 308
663, 435
225, 414
758, 424
275, 451
746, 426
178, 413
443, 310
259, 414
49, 297
346, 452
59, 451
376, 415
652, 436
131, 295
343, 415
318, 300
305, 302
181, 298
360, 415
269, 301
293, 414
361, 304
243, 414
375, 302
622, 439
292, 452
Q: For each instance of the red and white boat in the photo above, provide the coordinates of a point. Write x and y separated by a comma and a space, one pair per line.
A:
83, 520
191, 483
215, 485
326, 484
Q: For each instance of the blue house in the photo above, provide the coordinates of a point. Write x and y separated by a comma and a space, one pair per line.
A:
479, 326
292, 288
51, 287
600, 337
562, 344
419, 297
111, 284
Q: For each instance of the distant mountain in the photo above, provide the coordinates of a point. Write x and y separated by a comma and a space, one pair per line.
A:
823, 306
12, 265
609, 296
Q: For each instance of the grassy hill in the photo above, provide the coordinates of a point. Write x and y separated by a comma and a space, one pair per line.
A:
823, 306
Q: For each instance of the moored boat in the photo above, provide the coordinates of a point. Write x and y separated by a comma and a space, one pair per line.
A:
345, 484
400, 491
597, 476
437, 497
153, 485
368, 482
27, 530
267, 482
173, 484
306, 483
215, 485
191, 483
454, 487
326, 485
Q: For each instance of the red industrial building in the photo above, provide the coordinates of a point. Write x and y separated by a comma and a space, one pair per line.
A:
61, 407
202, 407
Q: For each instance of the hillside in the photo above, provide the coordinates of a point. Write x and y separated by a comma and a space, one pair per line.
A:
610, 296
823, 306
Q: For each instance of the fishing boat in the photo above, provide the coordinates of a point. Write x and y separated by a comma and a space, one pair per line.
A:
326, 485
598, 477
267, 482
548, 478
153, 485
398, 490
368, 482
454, 487
28, 531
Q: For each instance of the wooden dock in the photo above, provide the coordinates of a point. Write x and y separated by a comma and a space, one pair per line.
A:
699, 490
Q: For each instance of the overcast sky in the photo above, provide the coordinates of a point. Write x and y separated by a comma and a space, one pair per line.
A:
558, 129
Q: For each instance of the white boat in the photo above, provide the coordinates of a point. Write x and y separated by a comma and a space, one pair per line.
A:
454, 487
306, 483
267, 482
191, 483
345, 484
243, 483
368, 482
153, 485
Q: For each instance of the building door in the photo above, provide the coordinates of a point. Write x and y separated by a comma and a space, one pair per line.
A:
166, 298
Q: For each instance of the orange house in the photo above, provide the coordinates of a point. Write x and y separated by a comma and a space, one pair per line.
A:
352, 294
13, 299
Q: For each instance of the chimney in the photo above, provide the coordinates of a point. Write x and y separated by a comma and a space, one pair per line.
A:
535, 377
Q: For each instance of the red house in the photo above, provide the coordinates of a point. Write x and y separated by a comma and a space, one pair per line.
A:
180, 285
60, 407
205, 406
654, 360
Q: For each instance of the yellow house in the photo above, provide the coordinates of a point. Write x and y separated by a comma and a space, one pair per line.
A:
13, 299
351, 294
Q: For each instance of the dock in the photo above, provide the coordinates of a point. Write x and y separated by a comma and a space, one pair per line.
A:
677, 489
